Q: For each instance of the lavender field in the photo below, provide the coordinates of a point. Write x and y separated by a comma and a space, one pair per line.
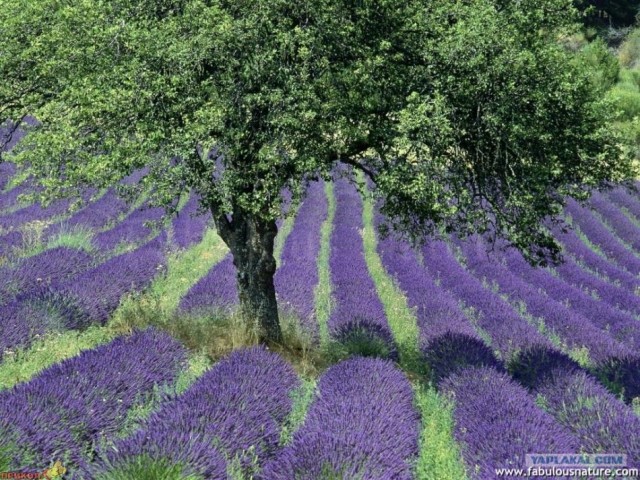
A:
450, 361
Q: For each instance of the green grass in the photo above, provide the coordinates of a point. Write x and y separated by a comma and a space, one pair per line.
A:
197, 365
283, 233
401, 319
322, 294
17, 179
302, 398
143, 467
76, 237
54, 347
439, 456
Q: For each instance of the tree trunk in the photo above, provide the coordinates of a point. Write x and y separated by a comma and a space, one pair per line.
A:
251, 243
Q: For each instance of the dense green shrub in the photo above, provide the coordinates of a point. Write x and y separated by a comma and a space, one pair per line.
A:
602, 63
629, 53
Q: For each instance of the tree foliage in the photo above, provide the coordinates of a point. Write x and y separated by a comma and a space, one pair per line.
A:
467, 114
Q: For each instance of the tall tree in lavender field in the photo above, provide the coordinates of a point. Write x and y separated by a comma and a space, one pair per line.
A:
467, 116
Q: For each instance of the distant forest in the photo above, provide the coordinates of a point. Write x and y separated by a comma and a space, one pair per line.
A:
610, 13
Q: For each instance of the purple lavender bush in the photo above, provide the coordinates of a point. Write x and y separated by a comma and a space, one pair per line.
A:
623, 227
448, 341
9, 243
497, 422
573, 329
362, 425
94, 216
78, 302
69, 408
622, 197
7, 170
237, 409
614, 295
9, 198
358, 319
622, 326
96, 293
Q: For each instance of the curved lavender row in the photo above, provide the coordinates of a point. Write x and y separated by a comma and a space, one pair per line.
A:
362, 424
95, 294
23, 321
87, 298
621, 326
358, 310
509, 332
34, 212
50, 266
583, 254
7, 170
135, 176
619, 222
573, 329
603, 238
189, 229
216, 290
621, 196
130, 230
94, 216
600, 421
69, 407
239, 404
497, 422
297, 275
614, 295
38, 212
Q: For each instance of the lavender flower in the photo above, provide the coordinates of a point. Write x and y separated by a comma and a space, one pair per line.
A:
50, 266
131, 230
216, 290
509, 332
583, 254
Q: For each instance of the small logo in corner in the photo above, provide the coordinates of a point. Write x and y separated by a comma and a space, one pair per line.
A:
56, 471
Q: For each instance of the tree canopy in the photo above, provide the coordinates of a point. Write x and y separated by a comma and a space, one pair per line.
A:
467, 115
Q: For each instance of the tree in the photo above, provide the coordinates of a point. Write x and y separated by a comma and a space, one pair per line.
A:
466, 115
